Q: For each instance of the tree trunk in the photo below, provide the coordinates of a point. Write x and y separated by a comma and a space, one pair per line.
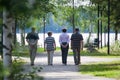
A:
116, 34
7, 42
22, 37
14, 32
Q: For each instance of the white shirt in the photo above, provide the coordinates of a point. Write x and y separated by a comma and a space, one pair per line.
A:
64, 37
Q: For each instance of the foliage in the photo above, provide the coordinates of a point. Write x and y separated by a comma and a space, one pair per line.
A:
114, 12
31, 75
84, 16
13, 7
1, 70
111, 69
19, 50
18, 72
42, 7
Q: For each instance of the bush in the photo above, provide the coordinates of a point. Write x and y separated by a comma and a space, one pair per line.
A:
18, 72
1, 70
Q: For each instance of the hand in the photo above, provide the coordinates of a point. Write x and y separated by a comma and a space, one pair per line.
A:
64, 46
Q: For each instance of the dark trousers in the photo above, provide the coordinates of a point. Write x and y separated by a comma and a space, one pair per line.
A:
64, 53
76, 53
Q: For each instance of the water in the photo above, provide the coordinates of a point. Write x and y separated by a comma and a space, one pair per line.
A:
85, 36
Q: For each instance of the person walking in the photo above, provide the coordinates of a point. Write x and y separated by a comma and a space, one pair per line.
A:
76, 45
50, 46
32, 39
64, 43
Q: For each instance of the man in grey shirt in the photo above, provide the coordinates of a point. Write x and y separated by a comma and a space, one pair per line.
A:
76, 45
50, 46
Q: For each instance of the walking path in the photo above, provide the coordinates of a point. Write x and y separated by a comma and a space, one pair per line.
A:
62, 72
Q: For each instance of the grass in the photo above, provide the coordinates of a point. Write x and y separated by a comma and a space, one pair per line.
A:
110, 70
41, 50
23, 51
105, 69
97, 53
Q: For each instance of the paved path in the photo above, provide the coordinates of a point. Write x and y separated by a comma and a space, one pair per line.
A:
62, 72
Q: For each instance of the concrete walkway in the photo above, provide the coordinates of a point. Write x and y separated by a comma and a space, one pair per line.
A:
62, 72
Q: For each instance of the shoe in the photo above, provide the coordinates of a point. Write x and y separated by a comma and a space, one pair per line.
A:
50, 64
76, 63
32, 64
64, 64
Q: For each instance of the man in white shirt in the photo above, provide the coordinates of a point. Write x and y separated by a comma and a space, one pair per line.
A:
64, 43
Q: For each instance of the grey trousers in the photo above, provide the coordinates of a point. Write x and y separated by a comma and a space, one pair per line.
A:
50, 57
33, 50
76, 53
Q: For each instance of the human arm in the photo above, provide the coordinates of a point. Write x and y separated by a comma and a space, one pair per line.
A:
71, 44
54, 44
81, 46
28, 37
45, 45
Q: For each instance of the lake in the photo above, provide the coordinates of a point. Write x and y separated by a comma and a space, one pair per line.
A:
85, 36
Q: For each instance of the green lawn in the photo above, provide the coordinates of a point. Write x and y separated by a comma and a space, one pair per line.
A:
24, 51
110, 70
105, 69
97, 53
41, 50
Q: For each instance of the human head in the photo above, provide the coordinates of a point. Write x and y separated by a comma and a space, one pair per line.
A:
76, 29
49, 33
33, 29
64, 30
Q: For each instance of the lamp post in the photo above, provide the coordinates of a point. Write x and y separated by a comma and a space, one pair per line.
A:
108, 51
73, 21
44, 31
98, 24
101, 24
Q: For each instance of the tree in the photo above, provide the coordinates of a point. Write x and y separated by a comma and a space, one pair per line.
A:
17, 10
9, 8
114, 16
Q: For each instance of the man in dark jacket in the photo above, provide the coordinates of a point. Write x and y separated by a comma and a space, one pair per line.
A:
32, 39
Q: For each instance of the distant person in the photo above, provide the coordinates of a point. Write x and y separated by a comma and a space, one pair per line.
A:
76, 45
50, 46
64, 43
32, 39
